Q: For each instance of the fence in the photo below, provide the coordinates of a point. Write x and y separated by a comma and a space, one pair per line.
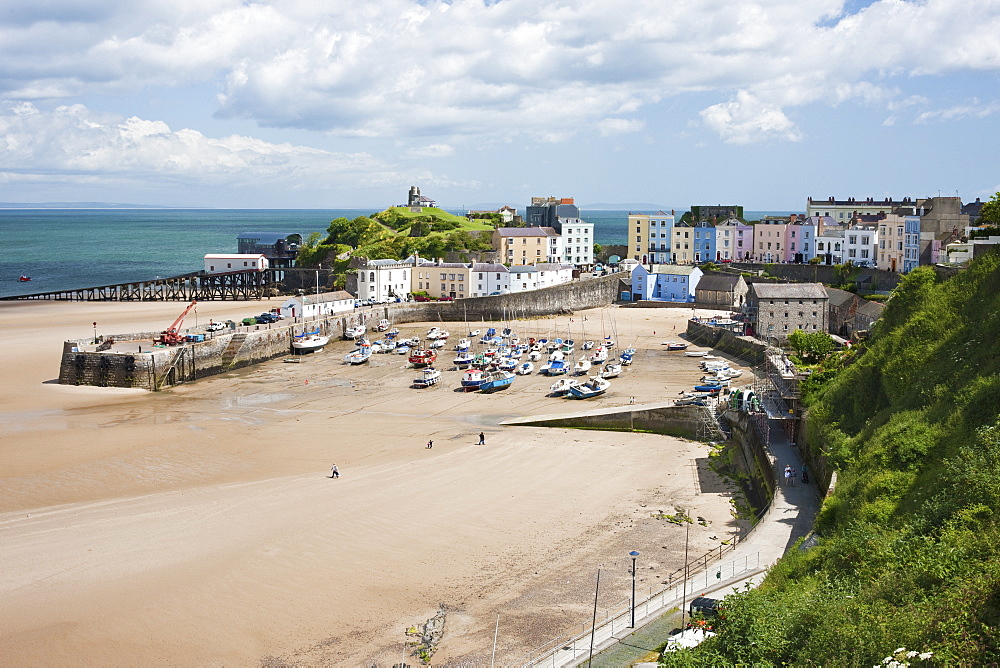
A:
566, 649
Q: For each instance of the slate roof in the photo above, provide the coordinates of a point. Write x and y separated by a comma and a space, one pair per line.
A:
871, 309
789, 291
489, 266
523, 269
718, 282
527, 232
838, 297
673, 269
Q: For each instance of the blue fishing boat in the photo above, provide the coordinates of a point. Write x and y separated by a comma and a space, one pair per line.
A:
496, 381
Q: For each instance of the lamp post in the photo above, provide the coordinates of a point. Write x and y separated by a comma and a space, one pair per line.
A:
634, 554
95, 333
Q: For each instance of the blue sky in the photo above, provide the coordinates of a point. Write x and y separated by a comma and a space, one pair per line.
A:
306, 104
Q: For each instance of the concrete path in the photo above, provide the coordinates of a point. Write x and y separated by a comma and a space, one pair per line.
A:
790, 518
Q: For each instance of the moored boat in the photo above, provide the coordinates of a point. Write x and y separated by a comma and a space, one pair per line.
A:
594, 387
355, 332
674, 345
525, 369
383, 325
599, 356
463, 360
429, 376
358, 355
473, 378
563, 385
581, 367
309, 342
696, 353
496, 381
557, 367
612, 370
422, 357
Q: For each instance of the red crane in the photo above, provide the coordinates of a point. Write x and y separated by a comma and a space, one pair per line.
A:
170, 337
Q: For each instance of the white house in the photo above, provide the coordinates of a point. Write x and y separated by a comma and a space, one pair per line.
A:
523, 278
223, 263
314, 306
382, 280
577, 242
861, 243
550, 273
487, 279
665, 282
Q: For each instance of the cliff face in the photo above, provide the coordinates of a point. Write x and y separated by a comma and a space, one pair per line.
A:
908, 543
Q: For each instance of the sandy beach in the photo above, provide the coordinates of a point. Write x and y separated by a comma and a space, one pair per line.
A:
199, 525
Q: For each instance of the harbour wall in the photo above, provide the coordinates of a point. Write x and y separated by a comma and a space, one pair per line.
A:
155, 368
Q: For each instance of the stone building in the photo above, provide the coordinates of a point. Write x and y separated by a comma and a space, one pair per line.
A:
778, 309
721, 289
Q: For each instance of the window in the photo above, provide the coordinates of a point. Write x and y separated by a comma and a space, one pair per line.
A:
371, 277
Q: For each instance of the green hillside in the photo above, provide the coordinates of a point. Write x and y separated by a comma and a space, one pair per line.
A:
429, 219
908, 551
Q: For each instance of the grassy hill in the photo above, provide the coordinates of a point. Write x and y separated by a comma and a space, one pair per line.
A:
429, 219
908, 551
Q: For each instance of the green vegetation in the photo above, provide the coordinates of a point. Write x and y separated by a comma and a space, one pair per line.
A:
908, 546
811, 347
990, 213
395, 233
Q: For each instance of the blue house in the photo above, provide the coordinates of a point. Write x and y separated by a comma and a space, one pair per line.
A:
704, 241
665, 282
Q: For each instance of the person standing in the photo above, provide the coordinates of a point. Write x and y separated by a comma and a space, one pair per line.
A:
788, 474
334, 471
482, 438
430, 444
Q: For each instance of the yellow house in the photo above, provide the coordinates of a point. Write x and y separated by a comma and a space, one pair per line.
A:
442, 279
524, 245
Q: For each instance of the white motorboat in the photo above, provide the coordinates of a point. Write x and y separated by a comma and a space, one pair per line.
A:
563, 385
474, 333
438, 334
355, 332
599, 356
437, 343
463, 346
525, 369
309, 343
383, 325
358, 355
592, 388
429, 376
535, 355
581, 367
612, 370
587, 345
696, 353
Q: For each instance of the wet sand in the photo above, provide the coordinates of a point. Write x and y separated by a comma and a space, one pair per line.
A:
199, 525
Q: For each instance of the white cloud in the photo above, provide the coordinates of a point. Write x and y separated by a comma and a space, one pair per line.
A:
747, 120
438, 71
431, 151
973, 109
73, 140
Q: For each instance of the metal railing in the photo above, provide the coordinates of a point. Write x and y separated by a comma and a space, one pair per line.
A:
568, 648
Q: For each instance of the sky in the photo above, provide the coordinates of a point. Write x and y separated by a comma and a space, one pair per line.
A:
327, 104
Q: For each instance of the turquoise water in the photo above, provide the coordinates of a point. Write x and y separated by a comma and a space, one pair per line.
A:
62, 249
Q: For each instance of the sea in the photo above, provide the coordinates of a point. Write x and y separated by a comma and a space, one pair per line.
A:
64, 249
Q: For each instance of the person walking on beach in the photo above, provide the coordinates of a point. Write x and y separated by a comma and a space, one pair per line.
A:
334, 471
430, 444
788, 474
482, 438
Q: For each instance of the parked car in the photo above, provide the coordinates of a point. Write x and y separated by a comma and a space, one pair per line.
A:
249, 321
215, 327
266, 318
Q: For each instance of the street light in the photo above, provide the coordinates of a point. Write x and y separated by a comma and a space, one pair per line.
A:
634, 554
95, 333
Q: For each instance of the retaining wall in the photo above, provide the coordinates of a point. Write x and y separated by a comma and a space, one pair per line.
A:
744, 347
748, 455
681, 421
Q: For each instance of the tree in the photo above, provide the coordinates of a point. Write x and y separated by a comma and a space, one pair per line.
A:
598, 249
990, 213
811, 346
